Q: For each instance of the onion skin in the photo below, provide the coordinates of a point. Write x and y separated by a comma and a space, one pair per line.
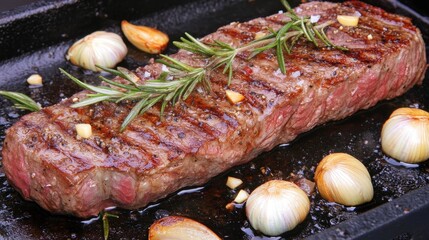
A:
343, 179
405, 135
277, 206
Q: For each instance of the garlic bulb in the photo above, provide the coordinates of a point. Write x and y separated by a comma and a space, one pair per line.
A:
405, 135
277, 206
101, 48
343, 179
147, 39
180, 228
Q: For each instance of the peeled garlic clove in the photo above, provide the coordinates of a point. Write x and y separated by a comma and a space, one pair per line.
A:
180, 228
343, 179
349, 21
35, 79
84, 130
147, 39
277, 206
241, 197
234, 97
233, 182
405, 135
101, 48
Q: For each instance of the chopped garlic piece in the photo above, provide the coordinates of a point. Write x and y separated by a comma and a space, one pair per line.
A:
241, 196
230, 206
349, 21
370, 37
34, 79
84, 130
234, 97
233, 182
259, 35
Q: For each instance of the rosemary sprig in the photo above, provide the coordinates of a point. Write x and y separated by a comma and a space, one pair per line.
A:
21, 101
105, 218
186, 78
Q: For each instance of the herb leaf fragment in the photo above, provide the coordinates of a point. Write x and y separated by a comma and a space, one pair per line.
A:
21, 101
105, 218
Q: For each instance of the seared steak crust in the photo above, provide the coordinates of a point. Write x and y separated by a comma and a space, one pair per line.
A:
205, 135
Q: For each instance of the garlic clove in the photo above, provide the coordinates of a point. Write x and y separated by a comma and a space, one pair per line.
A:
147, 39
241, 196
35, 80
343, 179
233, 182
101, 48
234, 97
180, 228
405, 135
84, 130
348, 21
277, 206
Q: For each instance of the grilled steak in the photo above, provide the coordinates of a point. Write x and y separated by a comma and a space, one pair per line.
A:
205, 135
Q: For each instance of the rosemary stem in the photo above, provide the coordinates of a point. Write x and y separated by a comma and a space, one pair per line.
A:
253, 45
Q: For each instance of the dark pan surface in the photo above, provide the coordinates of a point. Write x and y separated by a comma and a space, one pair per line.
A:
401, 193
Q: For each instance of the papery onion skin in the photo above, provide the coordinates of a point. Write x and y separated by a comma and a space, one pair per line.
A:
101, 48
343, 179
405, 135
276, 207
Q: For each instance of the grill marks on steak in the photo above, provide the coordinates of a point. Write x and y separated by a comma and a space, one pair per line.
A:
205, 135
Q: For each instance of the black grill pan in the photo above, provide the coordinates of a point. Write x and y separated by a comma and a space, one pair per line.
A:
34, 39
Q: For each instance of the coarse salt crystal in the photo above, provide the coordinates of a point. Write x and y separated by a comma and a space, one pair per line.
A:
296, 74
298, 10
164, 68
357, 14
278, 73
281, 11
146, 74
314, 18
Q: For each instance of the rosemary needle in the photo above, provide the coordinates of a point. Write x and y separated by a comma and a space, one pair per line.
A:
21, 101
105, 218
